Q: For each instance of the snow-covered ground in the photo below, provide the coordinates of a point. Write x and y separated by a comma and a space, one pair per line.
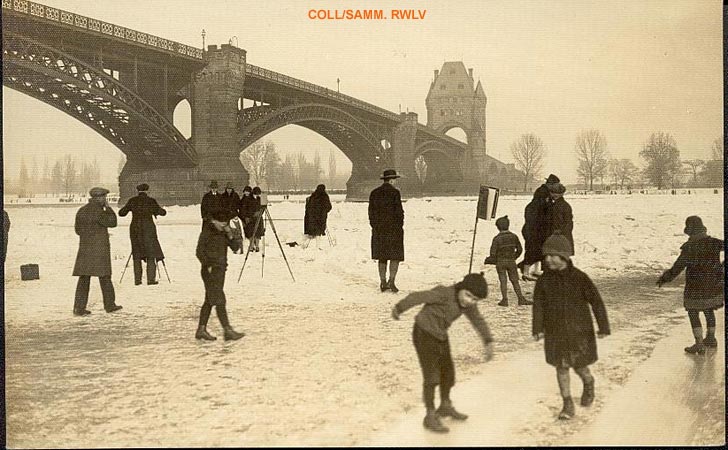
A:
322, 362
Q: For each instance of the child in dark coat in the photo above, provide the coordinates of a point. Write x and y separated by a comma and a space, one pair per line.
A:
442, 305
562, 298
704, 280
212, 245
504, 251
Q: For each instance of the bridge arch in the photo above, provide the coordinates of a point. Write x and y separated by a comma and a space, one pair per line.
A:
442, 166
341, 128
96, 99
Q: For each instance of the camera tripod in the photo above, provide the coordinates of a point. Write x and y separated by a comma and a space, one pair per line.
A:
260, 221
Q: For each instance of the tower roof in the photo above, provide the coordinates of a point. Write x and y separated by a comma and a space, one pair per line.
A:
479, 92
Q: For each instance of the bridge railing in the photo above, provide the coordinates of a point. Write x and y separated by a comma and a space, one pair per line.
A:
37, 10
320, 90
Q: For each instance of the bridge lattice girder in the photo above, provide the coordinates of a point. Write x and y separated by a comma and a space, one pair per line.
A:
344, 130
95, 98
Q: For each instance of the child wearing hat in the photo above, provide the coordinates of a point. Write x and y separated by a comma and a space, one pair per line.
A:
504, 251
704, 281
442, 306
562, 298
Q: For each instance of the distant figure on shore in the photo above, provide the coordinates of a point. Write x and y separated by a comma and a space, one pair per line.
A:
386, 218
704, 281
318, 206
94, 251
143, 233
6, 233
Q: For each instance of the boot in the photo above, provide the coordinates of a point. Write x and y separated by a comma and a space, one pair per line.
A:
524, 301
232, 335
447, 410
203, 334
698, 348
392, 286
114, 308
432, 422
82, 312
503, 302
383, 286
567, 412
587, 397
710, 341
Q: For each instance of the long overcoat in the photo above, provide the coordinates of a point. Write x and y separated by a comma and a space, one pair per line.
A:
209, 204
94, 249
386, 218
704, 274
318, 206
562, 220
246, 212
561, 303
142, 230
537, 225
230, 203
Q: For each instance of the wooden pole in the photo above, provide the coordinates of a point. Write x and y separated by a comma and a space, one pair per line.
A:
475, 231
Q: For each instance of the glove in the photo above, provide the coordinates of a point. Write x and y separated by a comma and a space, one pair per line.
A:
395, 313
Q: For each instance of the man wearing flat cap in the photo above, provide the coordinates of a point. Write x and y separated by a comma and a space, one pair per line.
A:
386, 218
143, 233
94, 251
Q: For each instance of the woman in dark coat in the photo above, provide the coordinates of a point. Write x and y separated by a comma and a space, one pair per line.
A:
318, 206
246, 210
704, 280
252, 212
230, 201
536, 229
562, 298
143, 233
559, 214
386, 218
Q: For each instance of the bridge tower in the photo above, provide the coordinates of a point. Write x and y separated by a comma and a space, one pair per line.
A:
213, 93
454, 100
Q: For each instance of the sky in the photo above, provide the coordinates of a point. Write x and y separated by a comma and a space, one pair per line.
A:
627, 68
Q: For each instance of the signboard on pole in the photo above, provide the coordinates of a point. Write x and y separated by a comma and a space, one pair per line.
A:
487, 205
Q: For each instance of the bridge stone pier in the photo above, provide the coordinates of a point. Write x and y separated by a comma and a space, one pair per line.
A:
213, 94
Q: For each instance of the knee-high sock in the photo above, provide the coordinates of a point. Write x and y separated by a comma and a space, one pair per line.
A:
562, 375
204, 314
428, 395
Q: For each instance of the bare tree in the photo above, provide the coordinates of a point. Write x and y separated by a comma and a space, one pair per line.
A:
69, 173
694, 165
663, 159
591, 150
24, 179
332, 167
622, 171
528, 152
256, 158
57, 177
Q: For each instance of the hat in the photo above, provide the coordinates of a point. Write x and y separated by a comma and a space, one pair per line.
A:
228, 185
213, 184
389, 174
247, 189
557, 188
220, 215
558, 245
142, 187
257, 191
475, 283
552, 179
98, 192
694, 225
502, 223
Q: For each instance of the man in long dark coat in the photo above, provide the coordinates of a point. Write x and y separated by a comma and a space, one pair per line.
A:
318, 206
561, 301
536, 228
386, 218
6, 232
211, 202
143, 233
559, 214
94, 251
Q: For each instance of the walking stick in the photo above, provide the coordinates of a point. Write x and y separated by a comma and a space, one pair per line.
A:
250, 245
273, 227
124, 271
165, 271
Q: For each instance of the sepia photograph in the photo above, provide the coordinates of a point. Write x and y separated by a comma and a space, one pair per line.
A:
363, 223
